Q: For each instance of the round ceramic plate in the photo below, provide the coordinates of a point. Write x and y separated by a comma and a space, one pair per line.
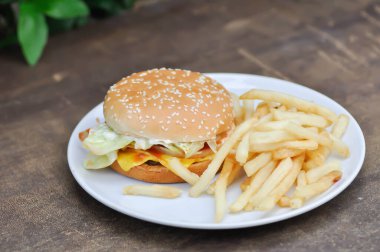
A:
106, 186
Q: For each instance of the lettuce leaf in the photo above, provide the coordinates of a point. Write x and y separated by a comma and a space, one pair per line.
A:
102, 140
99, 161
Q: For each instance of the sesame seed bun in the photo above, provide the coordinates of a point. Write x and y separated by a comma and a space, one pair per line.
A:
158, 173
169, 104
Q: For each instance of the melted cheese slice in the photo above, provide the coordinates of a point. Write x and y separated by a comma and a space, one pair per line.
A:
132, 157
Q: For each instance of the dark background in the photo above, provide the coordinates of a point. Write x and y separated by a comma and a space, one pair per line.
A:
330, 46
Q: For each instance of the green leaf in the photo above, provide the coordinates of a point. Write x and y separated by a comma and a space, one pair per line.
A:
62, 9
32, 31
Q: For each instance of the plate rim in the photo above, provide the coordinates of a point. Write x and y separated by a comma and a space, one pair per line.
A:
230, 225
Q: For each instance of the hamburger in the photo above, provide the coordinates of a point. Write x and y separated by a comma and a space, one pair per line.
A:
157, 115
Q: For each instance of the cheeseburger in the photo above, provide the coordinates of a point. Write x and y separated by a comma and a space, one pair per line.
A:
157, 115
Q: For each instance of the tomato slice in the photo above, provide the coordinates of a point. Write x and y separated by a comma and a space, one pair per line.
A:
83, 135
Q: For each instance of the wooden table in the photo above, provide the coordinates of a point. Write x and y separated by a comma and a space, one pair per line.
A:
330, 46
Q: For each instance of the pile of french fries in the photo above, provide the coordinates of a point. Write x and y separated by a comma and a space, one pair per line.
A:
281, 146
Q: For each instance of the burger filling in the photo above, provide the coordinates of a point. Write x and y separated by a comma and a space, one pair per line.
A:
106, 146
131, 157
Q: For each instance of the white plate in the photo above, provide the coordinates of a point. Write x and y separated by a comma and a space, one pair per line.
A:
106, 185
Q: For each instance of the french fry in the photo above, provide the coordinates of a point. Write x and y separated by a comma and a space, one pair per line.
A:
302, 118
309, 165
159, 191
286, 152
290, 101
272, 105
252, 166
265, 147
274, 179
182, 172
277, 106
306, 192
242, 150
236, 173
264, 119
211, 189
255, 183
296, 202
284, 201
319, 155
283, 187
271, 137
219, 157
313, 129
245, 183
340, 126
261, 110
301, 179
238, 111
220, 190
303, 133
317, 173
249, 109
302, 145
273, 125
339, 147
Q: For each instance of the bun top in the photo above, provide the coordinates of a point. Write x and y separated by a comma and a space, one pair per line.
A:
169, 104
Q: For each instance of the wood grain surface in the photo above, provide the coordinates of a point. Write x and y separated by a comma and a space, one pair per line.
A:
330, 46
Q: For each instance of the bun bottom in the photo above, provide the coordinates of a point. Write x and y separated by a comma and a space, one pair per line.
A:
158, 173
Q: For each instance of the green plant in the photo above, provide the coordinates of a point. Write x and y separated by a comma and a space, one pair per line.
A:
29, 22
